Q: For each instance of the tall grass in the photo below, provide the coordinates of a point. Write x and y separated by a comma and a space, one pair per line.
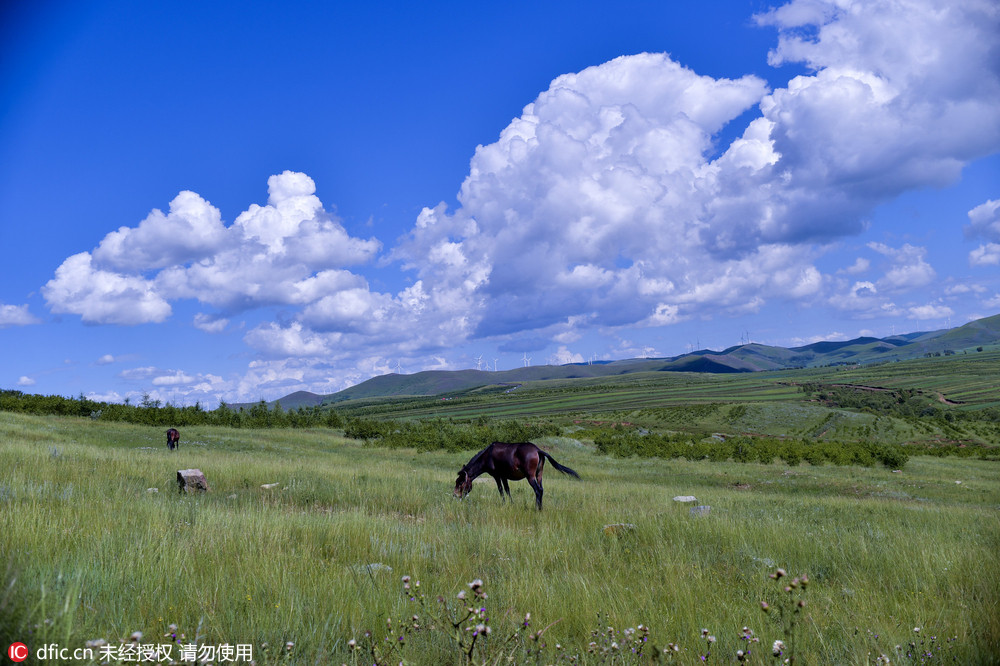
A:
93, 553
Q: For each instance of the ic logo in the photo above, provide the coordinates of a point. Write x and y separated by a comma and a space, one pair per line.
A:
17, 652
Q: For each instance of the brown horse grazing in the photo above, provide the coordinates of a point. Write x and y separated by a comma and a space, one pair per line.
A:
173, 439
506, 462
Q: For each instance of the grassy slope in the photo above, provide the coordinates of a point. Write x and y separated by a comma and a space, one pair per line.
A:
772, 403
886, 552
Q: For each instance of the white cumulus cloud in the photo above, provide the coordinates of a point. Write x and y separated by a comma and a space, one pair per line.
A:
103, 297
16, 315
930, 311
984, 221
192, 230
909, 268
985, 255
288, 252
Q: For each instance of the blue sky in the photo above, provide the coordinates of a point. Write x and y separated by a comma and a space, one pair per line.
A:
223, 201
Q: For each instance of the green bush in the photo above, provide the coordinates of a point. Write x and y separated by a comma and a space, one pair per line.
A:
627, 443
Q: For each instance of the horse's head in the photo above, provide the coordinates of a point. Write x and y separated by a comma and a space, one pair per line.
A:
463, 484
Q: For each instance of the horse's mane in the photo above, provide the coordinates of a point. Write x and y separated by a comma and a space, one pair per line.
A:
476, 459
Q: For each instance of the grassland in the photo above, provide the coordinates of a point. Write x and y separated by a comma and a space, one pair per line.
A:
317, 560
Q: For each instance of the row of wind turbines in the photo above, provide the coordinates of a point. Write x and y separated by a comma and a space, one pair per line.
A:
479, 364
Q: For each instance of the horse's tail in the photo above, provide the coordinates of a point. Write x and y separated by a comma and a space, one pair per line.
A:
561, 468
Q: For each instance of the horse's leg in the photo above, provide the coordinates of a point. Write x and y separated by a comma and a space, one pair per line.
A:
506, 488
536, 485
500, 485
538, 480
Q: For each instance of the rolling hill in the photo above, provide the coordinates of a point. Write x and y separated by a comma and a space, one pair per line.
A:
742, 358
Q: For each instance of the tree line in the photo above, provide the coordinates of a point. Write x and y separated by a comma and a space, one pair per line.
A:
153, 412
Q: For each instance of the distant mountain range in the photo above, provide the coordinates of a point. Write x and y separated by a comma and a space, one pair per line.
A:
742, 358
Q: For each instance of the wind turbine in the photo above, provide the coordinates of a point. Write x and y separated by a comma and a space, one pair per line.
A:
399, 369
526, 359
495, 364
479, 362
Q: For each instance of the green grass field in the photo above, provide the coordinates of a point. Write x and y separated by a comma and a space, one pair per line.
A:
93, 553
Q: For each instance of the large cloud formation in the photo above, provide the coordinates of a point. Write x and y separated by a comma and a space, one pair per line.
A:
605, 198
288, 252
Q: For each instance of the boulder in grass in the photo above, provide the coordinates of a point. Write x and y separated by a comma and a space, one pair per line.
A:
191, 481
701, 510
685, 498
618, 529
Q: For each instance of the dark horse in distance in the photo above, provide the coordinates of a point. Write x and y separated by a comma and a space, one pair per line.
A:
173, 439
511, 462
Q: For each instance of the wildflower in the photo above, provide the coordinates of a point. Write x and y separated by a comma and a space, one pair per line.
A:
710, 639
289, 645
916, 630
778, 574
136, 636
778, 648
406, 579
764, 606
461, 595
476, 584
96, 643
353, 644
704, 633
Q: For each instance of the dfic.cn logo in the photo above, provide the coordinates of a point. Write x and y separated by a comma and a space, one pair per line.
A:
17, 652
